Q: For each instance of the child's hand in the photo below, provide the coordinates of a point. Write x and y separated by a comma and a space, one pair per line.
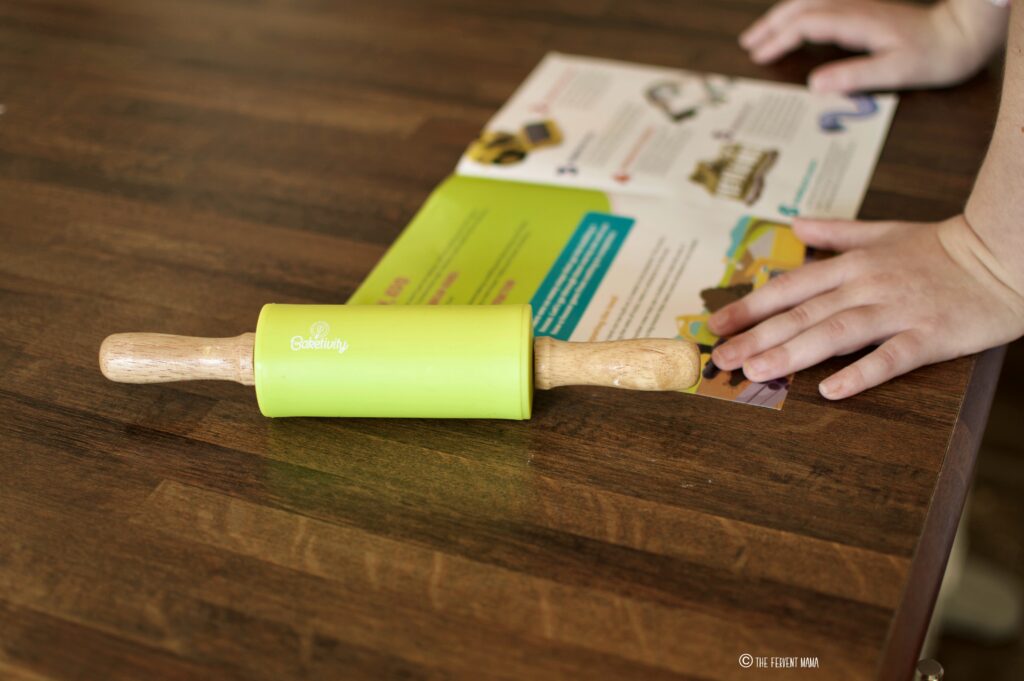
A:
909, 46
926, 292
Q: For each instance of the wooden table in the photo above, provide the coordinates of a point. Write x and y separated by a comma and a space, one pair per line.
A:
173, 166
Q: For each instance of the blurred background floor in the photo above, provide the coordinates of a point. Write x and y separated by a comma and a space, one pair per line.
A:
996, 524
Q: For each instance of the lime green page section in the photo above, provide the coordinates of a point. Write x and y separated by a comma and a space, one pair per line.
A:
478, 242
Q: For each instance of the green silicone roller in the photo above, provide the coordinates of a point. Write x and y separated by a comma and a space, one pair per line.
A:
451, 361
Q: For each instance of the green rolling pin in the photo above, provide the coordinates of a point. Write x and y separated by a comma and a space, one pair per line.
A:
451, 361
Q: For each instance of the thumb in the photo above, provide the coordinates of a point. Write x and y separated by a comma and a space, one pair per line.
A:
844, 235
880, 71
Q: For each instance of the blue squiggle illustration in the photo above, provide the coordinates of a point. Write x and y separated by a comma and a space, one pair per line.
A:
832, 121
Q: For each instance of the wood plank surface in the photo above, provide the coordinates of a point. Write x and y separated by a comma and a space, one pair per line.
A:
172, 166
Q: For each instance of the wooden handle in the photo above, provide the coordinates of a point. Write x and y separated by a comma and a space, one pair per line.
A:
160, 358
642, 364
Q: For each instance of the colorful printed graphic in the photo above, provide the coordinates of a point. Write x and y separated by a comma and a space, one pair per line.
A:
760, 249
680, 100
505, 148
864, 107
738, 173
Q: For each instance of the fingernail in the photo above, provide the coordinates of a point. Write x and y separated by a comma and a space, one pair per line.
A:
818, 84
830, 388
755, 368
724, 354
802, 229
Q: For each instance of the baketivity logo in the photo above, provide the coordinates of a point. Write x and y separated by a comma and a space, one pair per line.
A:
318, 340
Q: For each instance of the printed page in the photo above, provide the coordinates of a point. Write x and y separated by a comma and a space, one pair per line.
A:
478, 242
712, 141
593, 266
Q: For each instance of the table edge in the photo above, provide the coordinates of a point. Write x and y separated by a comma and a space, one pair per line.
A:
910, 623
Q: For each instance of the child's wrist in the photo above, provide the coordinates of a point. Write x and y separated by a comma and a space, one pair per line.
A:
979, 26
963, 239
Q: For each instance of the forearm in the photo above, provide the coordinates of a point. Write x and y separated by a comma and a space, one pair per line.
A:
995, 209
981, 23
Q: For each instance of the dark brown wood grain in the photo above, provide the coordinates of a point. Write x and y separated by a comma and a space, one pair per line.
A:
172, 166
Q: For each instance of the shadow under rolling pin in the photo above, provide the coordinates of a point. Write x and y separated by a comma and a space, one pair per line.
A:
452, 361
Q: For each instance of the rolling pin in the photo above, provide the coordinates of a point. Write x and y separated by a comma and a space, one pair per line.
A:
450, 361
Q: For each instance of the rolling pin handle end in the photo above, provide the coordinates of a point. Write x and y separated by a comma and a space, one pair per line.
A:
162, 358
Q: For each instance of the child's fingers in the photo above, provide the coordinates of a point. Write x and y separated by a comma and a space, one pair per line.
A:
780, 293
775, 45
881, 71
898, 355
781, 328
816, 24
842, 235
773, 20
840, 334
755, 33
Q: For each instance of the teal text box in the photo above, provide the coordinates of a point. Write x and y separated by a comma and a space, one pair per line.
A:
571, 282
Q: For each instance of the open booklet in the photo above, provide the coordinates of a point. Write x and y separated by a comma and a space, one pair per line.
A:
626, 201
